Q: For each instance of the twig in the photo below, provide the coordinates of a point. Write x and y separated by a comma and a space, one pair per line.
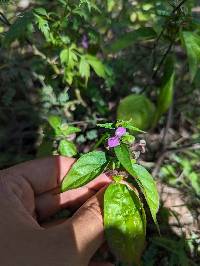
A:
158, 164
86, 122
178, 6
168, 124
4, 19
163, 59
51, 62
155, 46
158, 39
193, 146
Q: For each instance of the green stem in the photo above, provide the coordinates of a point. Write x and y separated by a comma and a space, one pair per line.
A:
99, 142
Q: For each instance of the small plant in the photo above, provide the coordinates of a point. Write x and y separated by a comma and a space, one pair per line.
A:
124, 214
58, 138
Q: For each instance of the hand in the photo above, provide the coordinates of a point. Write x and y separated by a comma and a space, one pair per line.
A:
29, 194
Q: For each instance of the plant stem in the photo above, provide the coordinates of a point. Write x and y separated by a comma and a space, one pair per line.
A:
171, 44
163, 60
178, 6
158, 164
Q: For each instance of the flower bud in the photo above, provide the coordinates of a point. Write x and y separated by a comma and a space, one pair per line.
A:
120, 131
113, 142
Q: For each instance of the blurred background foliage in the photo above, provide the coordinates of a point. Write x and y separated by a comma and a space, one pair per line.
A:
78, 62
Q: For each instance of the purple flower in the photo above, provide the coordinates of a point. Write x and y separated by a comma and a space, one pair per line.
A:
113, 142
120, 131
84, 42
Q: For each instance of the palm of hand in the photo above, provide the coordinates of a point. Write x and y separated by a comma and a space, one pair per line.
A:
29, 193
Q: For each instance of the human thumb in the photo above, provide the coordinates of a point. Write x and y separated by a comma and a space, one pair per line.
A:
87, 226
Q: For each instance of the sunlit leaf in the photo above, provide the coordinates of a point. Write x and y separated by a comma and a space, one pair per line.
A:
123, 155
148, 188
191, 42
67, 148
166, 92
97, 65
142, 177
69, 130
137, 109
41, 11
55, 121
43, 26
84, 68
106, 125
128, 125
68, 57
85, 169
125, 223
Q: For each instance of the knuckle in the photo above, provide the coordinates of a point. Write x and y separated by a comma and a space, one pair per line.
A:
94, 209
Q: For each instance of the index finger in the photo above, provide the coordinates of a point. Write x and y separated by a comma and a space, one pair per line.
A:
43, 174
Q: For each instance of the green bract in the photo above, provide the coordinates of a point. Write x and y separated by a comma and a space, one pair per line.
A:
85, 169
125, 223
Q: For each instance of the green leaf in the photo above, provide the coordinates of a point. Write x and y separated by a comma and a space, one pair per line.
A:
129, 38
191, 41
110, 5
43, 26
125, 223
195, 182
68, 57
137, 109
41, 11
4, 1
175, 247
55, 121
90, 5
142, 177
68, 76
92, 134
64, 56
84, 170
165, 97
127, 138
106, 125
67, 148
123, 155
84, 68
128, 125
69, 130
148, 188
19, 28
81, 12
97, 65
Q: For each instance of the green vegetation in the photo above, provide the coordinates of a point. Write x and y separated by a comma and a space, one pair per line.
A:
70, 65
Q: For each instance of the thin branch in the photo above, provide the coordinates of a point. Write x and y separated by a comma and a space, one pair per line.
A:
163, 59
193, 146
4, 19
86, 122
178, 6
158, 164
158, 39
168, 124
